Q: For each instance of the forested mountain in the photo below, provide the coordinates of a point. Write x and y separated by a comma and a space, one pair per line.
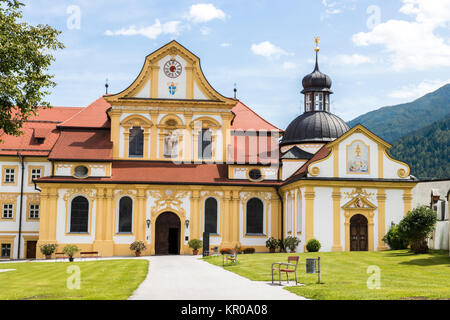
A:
426, 151
391, 123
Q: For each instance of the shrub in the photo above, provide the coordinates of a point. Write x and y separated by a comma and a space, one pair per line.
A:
70, 250
195, 244
394, 240
313, 245
249, 250
272, 243
48, 248
416, 227
138, 246
292, 243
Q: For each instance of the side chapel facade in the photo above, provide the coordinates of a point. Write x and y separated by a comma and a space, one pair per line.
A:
169, 158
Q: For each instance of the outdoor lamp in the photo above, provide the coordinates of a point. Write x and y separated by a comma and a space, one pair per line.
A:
187, 223
148, 223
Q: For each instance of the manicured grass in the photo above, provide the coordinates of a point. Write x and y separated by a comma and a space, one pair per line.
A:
106, 279
404, 275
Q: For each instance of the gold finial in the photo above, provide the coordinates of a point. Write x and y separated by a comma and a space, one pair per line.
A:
317, 40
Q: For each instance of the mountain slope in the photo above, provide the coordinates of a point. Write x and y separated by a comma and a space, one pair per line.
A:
391, 123
426, 151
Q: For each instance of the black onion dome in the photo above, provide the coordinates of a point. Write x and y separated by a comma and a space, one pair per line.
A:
318, 126
316, 81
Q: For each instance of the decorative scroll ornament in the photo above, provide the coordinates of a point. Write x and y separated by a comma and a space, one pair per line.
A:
168, 200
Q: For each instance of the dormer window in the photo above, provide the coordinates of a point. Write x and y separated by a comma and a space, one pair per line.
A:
40, 140
136, 143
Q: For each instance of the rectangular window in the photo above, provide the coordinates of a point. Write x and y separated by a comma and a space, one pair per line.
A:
7, 212
308, 102
136, 143
35, 173
205, 144
10, 175
34, 211
6, 250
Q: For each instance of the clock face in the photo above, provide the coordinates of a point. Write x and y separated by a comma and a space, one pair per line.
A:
172, 68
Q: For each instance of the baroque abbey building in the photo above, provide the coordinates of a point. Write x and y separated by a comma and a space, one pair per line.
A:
169, 158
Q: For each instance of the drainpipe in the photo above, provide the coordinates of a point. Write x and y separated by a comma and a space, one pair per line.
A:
21, 203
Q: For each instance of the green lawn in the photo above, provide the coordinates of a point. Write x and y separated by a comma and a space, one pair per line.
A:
107, 279
404, 275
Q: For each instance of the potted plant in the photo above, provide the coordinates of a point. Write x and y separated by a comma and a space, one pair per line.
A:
282, 245
70, 250
195, 244
138, 247
272, 244
48, 249
292, 243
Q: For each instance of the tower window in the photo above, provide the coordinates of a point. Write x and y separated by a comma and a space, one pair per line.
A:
327, 102
318, 101
308, 102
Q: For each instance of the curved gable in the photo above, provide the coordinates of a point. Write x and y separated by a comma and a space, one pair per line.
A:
156, 81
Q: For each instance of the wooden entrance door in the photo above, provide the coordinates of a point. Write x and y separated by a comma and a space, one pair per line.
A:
167, 234
31, 249
358, 233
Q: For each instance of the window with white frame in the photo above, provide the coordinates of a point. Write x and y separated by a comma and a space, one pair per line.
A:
255, 217
299, 213
6, 250
10, 175
211, 216
35, 173
34, 211
8, 211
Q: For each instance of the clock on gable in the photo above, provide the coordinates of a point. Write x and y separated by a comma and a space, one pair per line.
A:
173, 68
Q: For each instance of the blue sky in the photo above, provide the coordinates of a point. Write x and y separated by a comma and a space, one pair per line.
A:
378, 52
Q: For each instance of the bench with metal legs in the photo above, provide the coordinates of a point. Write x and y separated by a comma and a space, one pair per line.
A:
286, 268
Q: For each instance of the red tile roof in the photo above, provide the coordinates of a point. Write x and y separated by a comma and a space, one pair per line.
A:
164, 173
93, 116
79, 144
246, 119
322, 153
43, 125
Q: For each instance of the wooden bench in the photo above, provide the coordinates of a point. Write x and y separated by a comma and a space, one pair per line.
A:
286, 268
89, 254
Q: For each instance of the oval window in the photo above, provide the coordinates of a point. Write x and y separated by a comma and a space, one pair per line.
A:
255, 174
81, 172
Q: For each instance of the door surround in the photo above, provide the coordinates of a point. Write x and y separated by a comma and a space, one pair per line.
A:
181, 220
366, 212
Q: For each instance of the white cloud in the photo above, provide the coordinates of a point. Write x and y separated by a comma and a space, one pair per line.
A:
205, 31
414, 91
204, 12
268, 50
354, 59
288, 65
225, 44
413, 44
151, 32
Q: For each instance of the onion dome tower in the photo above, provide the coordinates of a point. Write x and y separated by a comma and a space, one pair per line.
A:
316, 124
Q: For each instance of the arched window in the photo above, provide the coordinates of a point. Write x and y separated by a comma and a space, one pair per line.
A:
125, 214
211, 215
136, 143
255, 216
79, 215
205, 144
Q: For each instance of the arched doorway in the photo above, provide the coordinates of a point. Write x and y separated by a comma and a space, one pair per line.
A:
358, 233
167, 234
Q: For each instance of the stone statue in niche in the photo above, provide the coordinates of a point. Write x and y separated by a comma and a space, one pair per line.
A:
171, 145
